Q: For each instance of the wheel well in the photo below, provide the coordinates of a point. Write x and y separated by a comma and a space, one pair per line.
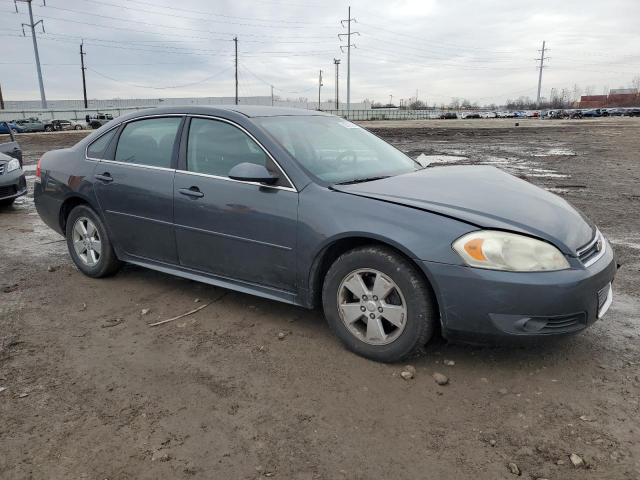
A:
332, 252
68, 205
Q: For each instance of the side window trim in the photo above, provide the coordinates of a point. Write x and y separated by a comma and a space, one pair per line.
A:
182, 161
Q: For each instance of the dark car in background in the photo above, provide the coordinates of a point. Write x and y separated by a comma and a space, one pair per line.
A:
310, 209
12, 179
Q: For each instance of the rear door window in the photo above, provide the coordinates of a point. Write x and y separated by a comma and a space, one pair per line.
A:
148, 142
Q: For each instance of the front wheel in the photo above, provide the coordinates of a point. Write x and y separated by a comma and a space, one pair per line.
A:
378, 304
89, 244
78, 127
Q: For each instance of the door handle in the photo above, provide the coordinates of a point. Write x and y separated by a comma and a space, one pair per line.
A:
191, 192
105, 177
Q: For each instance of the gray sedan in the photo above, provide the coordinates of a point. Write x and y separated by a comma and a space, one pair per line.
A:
310, 209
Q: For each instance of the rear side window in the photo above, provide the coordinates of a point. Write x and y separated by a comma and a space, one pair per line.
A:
148, 142
98, 148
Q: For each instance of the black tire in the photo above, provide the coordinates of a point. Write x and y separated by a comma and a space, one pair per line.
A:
107, 263
78, 127
7, 203
48, 128
421, 312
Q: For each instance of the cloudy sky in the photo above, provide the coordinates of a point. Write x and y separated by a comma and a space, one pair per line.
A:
483, 50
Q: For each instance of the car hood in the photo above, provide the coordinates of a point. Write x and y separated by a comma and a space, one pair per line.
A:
4, 157
485, 197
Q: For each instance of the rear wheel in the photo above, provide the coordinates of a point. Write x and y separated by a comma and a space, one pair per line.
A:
378, 304
78, 127
89, 244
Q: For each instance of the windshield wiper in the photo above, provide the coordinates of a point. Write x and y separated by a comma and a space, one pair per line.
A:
362, 180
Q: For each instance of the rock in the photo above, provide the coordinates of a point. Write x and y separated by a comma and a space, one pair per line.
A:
406, 374
23, 395
144, 311
449, 363
83, 307
484, 380
281, 335
560, 462
492, 442
51, 268
576, 460
503, 391
513, 468
197, 300
160, 457
410, 368
584, 418
440, 378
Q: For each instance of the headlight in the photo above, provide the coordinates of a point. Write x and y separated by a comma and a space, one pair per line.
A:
13, 164
508, 251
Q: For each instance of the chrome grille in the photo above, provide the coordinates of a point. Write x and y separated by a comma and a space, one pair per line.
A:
592, 251
2, 166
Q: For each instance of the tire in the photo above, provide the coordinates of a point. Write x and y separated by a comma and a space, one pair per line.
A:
48, 128
93, 265
7, 203
77, 127
399, 340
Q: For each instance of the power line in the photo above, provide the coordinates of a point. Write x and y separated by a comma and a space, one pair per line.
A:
218, 73
198, 12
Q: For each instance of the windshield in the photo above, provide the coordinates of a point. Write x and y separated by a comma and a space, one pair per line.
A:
335, 150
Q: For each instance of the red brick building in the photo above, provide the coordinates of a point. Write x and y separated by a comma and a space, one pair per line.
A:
621, 97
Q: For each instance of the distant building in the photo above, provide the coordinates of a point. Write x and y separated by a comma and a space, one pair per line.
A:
618, 97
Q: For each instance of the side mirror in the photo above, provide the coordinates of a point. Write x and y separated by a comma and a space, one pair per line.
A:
250, 172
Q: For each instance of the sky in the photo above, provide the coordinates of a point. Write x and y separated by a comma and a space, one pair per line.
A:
482, 50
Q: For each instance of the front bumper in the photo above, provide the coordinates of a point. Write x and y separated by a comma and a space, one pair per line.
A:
477, 304
12, 185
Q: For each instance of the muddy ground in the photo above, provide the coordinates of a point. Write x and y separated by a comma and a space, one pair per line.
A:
91, 391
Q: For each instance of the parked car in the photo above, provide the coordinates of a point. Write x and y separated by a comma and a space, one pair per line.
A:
96, 121
61, 125
471, 115
310, 209
448, 116
30, 125
595, 112
489, 115
633, 112
12, 180
10, 127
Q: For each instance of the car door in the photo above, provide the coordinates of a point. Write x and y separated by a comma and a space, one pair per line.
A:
134, 186
234, 229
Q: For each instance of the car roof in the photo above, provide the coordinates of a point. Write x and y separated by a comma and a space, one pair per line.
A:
250, 111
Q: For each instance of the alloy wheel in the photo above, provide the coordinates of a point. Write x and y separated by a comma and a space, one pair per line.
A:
372, 307
86, 241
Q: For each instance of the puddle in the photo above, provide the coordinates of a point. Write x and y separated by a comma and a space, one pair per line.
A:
546, 175
439, 159
565, 152
557, 190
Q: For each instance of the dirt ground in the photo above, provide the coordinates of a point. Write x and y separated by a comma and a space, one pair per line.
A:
91, 391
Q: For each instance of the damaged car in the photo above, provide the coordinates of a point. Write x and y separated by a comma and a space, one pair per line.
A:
310, 209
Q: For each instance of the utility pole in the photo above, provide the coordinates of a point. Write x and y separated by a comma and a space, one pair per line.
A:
32, 26
390, 100
319, 88
1, 99
348, 47
336, 62
235, 40
84, 81
272, 95
542, 65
